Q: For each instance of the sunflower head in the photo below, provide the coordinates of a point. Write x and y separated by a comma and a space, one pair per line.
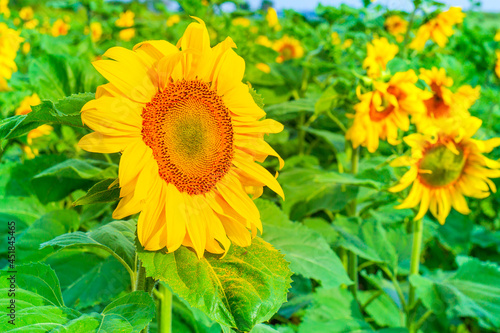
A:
60, 28
190, 135
272, 19
125, 20
381, 112
288, 48
447, 164
173, 20
4, 8
95, 31
241, 21
335, 38
9, 45
26, 13
379, 53
395, 25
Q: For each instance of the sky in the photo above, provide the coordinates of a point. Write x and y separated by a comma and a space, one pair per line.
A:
310, 5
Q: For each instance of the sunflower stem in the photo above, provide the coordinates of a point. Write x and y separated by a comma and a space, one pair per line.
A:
416, 249
164, 295
352, 266
410, 26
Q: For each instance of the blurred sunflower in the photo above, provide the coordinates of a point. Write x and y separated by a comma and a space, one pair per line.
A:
9, 45
379, 53
241, 21
497, 36
95, 31
445, 166
443, 103
335, 38
497, 66
32, 24
126, 20
189, 133
26, 13
383, 111
26, 47
264, 41
4, 8
60, 28
272, 19
25, 108
288, 48
173, 20
263, 67
396, 26
439, 29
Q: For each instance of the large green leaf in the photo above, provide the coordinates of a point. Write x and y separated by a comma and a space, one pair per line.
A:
107, 190
190, 320
40, 308
242, 289
305, 194
471, 291
308, 253
45, 228
64, 112
116, 237
58, 181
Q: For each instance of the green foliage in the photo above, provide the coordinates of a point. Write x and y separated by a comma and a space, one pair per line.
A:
242, 289
107, 190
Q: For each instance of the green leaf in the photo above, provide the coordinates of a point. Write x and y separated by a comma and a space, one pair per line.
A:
39, 306
104, 191
256, 97
64, 112
346, 179
308, 253
242, 289
60, 180
45, 228
326, 101
290, 109
471, 291
305, 195
383, 310
190, 320
116, 237
333, 310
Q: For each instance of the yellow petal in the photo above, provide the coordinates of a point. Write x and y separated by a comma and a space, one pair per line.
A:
99, 143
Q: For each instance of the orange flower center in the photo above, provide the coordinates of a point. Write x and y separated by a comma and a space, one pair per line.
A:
189, 129
440, 166
287, 51
436, 105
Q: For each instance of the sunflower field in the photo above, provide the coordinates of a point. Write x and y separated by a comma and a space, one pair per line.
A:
207, 166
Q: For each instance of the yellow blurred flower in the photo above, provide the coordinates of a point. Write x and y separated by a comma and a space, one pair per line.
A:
346, 44
32, 24
127, 34
439, 29
443, 103
198, 161
288, 48
381, 112
30, 153
172, 20
60, 28
25, 108
497, 36
396, 26
335, 38
126, 19
272, 19
263, 67
67, 19
264, 41
26, 13
445, 166
379, 53
497, 66
16, 21
26, 47
4, 8
241, 21
9, 45
95, 31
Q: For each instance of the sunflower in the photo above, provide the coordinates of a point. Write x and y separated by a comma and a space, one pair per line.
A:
288, 48
439, 29
379, 53
272, 19
4, 8
445, 166
26, 13
189, 133
25, 108
173, 20
9, 45
60, 28
241, 21
396, 26
497, 36
385, 109
443, 103
264, 41
125, 20
497, 66
95, 31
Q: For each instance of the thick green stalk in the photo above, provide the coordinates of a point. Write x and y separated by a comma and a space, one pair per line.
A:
165, 317
416, 250
352, 267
